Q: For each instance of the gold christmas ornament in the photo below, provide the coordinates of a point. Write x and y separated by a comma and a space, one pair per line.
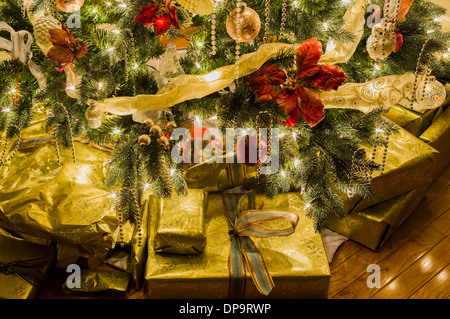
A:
148, 123
156, 130
41, 27
144, 140
249, 24
171, 125
163, 141
197, 6
94, 116
69, 5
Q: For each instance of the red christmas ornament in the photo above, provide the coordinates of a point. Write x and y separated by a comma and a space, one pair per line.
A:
299, 96
161, 16
247, 150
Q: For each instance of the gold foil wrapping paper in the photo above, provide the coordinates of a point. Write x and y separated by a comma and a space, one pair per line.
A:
68, 203
297, 263
371, 227
413, 122
180, 225
100, 280
23, 266
410, 163
438, 136
215, 177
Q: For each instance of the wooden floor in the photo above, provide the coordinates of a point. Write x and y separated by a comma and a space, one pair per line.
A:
414, 262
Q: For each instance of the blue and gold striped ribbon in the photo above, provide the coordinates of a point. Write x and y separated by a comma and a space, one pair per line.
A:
246, 222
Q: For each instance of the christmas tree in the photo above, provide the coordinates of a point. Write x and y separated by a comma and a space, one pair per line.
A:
85, 55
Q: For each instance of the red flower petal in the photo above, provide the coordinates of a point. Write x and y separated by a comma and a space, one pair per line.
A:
266, 82
398, 41
60, 55
311, 107
161, 25
59, 37
82, 51
404, 8
288, 100
328, 77
308, 55
293, 117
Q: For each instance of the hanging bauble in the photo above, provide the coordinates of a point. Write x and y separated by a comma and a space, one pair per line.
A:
249, 24
42, 27
247, 150
382, 42
197, 6
144, 140
69, 5
163, 141
430, 93
94, 116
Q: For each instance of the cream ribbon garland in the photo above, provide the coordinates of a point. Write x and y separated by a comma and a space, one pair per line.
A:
19, 50
381, 92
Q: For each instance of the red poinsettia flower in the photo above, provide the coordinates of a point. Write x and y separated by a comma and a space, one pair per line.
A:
161, 16
299, 96
65, 47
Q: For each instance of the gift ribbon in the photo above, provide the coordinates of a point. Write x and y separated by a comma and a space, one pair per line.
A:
21, 51
244, 253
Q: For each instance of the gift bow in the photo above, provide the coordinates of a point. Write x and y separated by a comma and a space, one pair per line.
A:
21, 51
243, 250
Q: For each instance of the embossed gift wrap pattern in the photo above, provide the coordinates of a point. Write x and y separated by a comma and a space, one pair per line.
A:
297, 263
180, 223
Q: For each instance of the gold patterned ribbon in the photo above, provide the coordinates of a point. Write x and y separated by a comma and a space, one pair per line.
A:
244, 253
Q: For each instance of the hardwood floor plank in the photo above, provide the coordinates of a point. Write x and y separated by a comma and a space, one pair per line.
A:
415, 276
345, 251
399, 260
437, 287
356, 265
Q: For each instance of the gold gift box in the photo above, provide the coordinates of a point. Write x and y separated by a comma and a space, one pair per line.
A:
438, 136
67, 203
23, 266
373, 226
180, 225
297, 263
214, 177
100, 280
412, 121
131, 258
410, 163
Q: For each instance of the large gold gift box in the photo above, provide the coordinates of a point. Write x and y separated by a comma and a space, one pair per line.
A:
297, 263
68, 203
412, 121
410, 164
23, 266
373, 226
180, 223
438, 136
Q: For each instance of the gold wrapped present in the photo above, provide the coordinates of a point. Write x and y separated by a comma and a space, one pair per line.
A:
131, 258
67, 203
438, 136
371, 227
410, 163
213, 177
296, 263
180, 225
100, 280
23, 266
412, 121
